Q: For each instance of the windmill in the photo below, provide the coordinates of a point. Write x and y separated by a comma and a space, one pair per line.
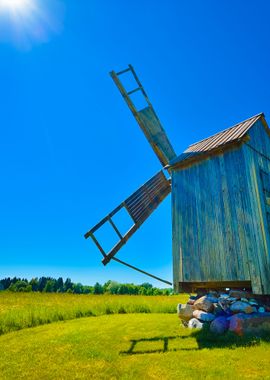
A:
147, 198
220, 202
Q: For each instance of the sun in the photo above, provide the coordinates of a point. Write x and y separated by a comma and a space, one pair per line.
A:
14, 5
27, 22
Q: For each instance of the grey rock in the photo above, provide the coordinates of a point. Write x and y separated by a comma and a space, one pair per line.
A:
256, 323
239, 306
203, 304
219, 325
239, 294
184, 311
195, 324
203, 316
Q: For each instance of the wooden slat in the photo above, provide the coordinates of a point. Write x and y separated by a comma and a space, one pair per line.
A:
147, 120
221, 234
103, 221
143, 214
150, 194
115, 228
139, 206
98, 245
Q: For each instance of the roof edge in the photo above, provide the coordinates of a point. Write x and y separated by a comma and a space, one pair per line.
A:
261, 114
195, 156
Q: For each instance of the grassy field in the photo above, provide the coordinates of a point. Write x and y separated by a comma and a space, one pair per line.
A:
117, 344
21, 310
130, 346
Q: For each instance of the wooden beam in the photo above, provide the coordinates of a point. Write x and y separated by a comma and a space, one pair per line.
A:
190, 287
141, 271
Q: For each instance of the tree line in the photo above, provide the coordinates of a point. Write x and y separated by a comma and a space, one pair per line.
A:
52, 285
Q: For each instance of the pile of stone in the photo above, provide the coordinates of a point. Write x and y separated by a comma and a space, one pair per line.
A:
236, 311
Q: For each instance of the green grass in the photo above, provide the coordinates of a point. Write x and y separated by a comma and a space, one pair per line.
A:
129, 346
21, 310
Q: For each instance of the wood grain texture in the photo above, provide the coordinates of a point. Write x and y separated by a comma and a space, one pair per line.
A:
219, 213
156, 135
146, 118
139, 206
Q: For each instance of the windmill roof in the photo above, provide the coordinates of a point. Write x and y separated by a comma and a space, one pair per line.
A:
221, 139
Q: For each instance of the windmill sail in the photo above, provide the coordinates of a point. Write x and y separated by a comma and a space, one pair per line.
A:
147, 119
139, 206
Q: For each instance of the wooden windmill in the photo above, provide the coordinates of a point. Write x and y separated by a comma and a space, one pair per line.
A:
220, 202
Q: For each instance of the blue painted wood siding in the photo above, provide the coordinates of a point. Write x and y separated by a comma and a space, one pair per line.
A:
220, 230
257, 161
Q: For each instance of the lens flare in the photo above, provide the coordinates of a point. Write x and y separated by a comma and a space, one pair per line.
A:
27, 22
14, 4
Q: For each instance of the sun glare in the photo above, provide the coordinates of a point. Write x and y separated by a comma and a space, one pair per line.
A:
27, 22
14, 4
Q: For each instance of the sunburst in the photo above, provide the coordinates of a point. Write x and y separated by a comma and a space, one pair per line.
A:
15, 5
26, 22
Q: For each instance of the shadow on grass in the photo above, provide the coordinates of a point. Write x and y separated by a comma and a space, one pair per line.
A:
202, 338
206, 339
164, 341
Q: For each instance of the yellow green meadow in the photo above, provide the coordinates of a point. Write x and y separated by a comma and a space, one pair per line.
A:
124, 337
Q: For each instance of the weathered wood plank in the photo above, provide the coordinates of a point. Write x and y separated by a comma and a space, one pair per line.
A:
147, 120
219, 209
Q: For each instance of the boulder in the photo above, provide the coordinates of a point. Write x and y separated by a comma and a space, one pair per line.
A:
240, 294
255, 323
203, 304
231, 299
250, 309
219, 311
184, 311
219, 325
223, 296
253, 302
212, 299
242, 307
203, 316
212, 293
195, 324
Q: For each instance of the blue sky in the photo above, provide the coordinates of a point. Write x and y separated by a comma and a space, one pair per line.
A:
70, 150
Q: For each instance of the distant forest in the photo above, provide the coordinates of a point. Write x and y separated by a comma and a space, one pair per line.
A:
52, 285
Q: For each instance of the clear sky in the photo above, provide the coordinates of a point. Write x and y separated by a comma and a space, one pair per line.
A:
70, 149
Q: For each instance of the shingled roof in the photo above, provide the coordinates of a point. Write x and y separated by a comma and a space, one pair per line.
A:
228, 136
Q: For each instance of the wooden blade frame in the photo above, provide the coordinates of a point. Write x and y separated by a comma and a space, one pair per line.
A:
139, 206
147, 119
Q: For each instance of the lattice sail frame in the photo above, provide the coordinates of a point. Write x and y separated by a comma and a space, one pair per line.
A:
146, 199
139, 206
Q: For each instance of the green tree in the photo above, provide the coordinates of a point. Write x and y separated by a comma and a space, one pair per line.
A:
98, 288
68, 285
50, 286
60, 285
34, 284
42, 283
112, 287
77, 288
20, 286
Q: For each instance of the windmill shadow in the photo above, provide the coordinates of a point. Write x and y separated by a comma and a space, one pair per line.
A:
164, 345
204, 339
207, 339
